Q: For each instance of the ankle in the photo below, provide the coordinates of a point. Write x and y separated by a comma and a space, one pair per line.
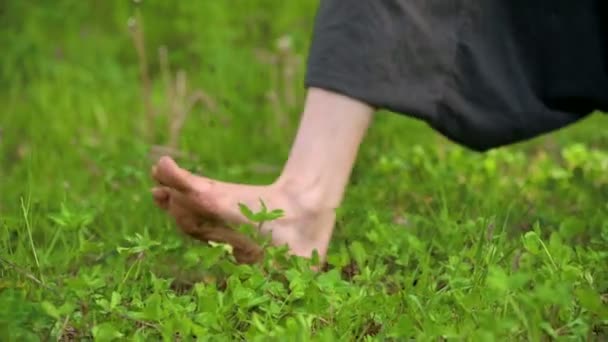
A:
309, 195
312, 213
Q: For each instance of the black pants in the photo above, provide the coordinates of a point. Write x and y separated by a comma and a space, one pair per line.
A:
483, 73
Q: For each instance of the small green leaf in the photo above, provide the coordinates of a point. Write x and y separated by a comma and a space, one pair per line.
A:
50, 309
531, 242
498, 279
572, 273
199, 331
211, 256
246, 211
106, 332
116, 298
297, 284
591, 301
103, 303
153, 310
258, 324
358, 252
546, 326
242, 295
275, 214
263, 215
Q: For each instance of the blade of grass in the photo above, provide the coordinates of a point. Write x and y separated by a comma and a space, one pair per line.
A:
25, 209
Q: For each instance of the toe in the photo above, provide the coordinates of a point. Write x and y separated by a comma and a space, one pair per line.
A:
184, 218
161, 197
168, 173
153, 172
160, 193
163, 204
201, 204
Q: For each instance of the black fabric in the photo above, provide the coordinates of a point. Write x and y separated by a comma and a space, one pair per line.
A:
483, 73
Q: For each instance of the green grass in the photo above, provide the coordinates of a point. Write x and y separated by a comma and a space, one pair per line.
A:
433, 241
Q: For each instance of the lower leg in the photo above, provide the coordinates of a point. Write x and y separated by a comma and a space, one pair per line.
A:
309, 189
326, 145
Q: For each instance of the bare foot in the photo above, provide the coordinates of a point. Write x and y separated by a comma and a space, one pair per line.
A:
202, 203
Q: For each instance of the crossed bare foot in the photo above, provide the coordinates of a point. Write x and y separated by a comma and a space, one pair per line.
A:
202, 204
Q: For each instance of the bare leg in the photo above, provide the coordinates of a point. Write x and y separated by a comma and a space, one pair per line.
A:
309, 189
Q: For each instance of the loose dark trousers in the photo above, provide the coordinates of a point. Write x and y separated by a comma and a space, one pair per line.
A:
483, 73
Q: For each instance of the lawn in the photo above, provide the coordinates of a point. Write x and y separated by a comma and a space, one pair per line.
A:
433, 241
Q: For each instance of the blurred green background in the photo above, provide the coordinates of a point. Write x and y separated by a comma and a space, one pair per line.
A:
73, 99
71, 89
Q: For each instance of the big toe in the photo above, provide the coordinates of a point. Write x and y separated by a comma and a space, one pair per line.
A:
168, 173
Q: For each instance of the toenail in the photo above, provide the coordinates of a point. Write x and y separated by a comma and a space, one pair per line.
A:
165, 160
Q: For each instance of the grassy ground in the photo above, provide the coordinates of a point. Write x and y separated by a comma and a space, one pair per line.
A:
433, 241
